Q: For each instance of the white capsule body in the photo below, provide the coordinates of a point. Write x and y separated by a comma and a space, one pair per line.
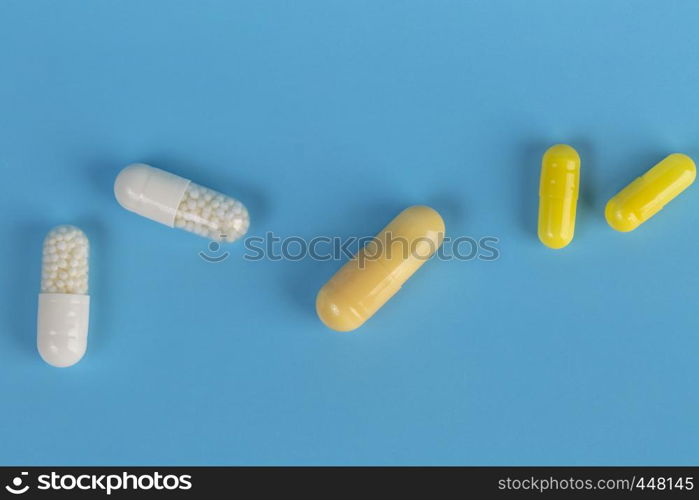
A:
62, 326
64, 305
178, 202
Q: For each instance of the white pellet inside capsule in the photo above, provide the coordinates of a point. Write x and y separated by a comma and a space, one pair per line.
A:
64, 306
178, 202
64, 263
212, 215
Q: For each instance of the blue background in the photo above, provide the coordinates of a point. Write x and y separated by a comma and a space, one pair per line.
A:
327, 118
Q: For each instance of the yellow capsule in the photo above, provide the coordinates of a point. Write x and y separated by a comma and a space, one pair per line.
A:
378, 271
558, 195
648, 194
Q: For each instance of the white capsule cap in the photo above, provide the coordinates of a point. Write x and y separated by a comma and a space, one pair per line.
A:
62, 325
150, 192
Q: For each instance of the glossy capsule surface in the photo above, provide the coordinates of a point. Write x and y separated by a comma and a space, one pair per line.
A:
378, 271
648, 194
558, 195
178, 202
64, 304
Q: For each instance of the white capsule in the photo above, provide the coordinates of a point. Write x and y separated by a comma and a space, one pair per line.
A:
64, 305
178, 202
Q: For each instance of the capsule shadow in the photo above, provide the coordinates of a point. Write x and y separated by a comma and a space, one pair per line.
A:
528, 167
588, 210
302, 282
101, 174
25, 283
451, 208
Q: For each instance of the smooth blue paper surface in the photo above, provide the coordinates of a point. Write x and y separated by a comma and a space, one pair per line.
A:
326, 118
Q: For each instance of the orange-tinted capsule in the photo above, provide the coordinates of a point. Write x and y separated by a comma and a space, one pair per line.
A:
378, 271
648, 194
